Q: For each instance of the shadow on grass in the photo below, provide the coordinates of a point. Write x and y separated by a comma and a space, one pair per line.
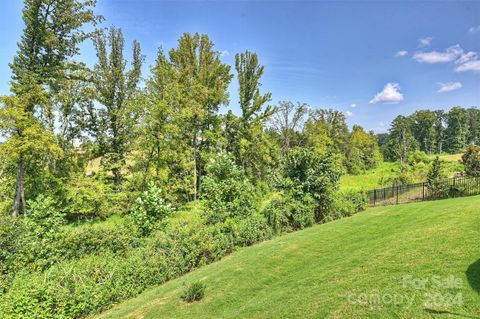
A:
445, 312
473, 275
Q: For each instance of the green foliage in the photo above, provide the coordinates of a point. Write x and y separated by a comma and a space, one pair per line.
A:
435, 177
44, 216
115, 87
306, 174
85, 198
401, 141
289, 214
326, 131
362, 151
433, 132
150, 209
471, 160
226, 191
194, 292
347, 203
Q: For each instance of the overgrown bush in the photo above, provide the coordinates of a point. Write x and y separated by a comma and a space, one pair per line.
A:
194, 292
150, 209
226, 191
289, 214
347, 203
471, 160
85, 198
435, 176
308, 176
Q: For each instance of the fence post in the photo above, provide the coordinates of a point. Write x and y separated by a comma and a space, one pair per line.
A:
423, 192
397, 194
374, 197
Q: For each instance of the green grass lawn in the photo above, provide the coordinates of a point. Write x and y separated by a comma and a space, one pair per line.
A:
340, 269
372, 178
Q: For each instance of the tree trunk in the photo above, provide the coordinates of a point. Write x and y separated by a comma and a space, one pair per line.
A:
195, 177
118, 178
19, 205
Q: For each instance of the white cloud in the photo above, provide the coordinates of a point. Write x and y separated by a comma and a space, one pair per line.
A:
473, 66
348, 113
469, 56
474, 29
449, 55
467, 62
224, 53
401, 53
353, 105
425, 42
447, 87
390, 94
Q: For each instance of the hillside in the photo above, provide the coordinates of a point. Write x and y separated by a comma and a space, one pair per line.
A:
328, 270
379, 177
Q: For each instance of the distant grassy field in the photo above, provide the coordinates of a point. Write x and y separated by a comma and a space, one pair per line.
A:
373, 178
371, 265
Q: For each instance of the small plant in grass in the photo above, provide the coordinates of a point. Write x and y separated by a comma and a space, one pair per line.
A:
194, 292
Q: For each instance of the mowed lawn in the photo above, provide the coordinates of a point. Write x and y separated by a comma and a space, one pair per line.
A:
358, 267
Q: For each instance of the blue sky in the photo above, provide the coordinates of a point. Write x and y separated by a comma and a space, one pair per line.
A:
372, 60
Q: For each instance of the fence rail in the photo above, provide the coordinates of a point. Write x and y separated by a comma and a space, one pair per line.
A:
408, 193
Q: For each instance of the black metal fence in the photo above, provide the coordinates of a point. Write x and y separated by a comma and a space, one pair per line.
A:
408, 193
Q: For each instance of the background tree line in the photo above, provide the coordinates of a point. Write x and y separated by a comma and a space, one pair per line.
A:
162, 127
431, 131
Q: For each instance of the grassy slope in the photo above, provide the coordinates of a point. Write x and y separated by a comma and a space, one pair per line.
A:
310, 273
371, 179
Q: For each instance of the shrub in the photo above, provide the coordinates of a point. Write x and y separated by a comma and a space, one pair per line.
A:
149, 209
43, 215
417, 157
226, 191
289, 214
347, 203
194, 292
305, 173
85, 198
248, 231
471, 160
435, 176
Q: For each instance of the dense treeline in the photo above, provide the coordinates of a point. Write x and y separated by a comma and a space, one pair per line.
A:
433, 132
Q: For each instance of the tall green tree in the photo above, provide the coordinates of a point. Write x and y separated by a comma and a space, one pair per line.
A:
326, 131
423, 129
362, 151
201, 81
439, 130
253, 147
163, 153
473, 120
457, 130
53, 30
115, 87
400, 141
